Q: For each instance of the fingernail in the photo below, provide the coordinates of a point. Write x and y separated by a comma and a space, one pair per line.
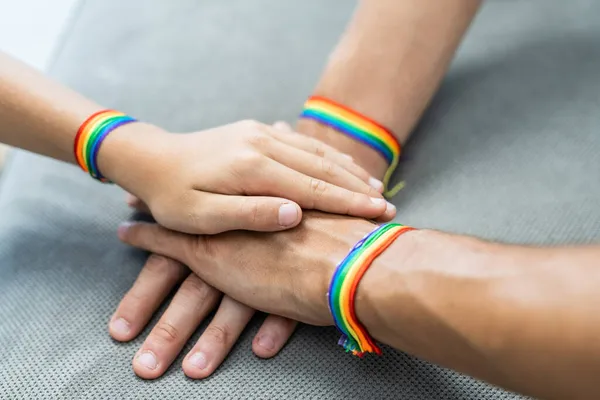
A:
198, 360
120, 326
288, 214
147, 360
378, 201
376, 184
348, 156
130, 199
390, 208
266, 342
123, 228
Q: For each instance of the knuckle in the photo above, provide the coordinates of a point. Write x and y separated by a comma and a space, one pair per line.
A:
193, 285
194, 211
158, 264
328, 168
166, 332
196, 288
353, 198
319, 149
249, 210
250, 125
257, 139
195, 220
317, 187
218, 334
248, 161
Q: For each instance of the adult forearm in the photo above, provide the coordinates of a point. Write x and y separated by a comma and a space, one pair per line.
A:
522, 318
389, 63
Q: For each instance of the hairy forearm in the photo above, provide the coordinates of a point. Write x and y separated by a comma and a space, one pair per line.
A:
522, 318
388, 65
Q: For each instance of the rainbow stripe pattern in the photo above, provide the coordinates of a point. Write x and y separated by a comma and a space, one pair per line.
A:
344, 283
90, 136
359, 127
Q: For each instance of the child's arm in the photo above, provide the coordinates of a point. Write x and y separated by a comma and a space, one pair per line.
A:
194, 183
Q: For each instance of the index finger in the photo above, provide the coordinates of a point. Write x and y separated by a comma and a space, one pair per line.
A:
312, 193
156, 239
321, 149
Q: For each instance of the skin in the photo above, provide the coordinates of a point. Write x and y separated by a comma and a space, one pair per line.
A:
388, 65
192, 303
260, 181
532, 328
370, 70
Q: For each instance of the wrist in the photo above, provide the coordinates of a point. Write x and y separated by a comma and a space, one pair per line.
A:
384, 283
336, 246
419, 295
128, 156
363, 155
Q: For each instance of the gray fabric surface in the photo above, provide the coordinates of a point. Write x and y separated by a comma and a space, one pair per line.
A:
509, 151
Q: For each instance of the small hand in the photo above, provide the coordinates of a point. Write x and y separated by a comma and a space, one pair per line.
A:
191, 304
244, 176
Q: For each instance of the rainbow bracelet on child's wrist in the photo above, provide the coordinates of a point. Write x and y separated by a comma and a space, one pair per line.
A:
90, 136
344, 283
351, 123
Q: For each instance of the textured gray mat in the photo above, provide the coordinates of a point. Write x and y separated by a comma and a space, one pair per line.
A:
509, 150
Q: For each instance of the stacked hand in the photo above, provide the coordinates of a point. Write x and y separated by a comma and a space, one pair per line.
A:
240, 176
195, 299
285, 273
192, 303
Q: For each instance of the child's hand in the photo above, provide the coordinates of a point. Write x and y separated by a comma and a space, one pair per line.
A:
245, 175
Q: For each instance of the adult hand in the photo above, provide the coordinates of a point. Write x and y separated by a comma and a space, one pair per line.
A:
285, 273
191, 304
189, 307
214, 181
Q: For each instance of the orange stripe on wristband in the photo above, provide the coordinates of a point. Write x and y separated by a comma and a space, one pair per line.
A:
90, 136
359, 127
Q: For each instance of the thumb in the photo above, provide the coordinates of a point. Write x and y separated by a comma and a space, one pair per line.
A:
156, 239
213, 213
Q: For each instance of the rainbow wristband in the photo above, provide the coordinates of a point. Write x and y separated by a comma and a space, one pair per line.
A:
90, 136
359, 127
345, 280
